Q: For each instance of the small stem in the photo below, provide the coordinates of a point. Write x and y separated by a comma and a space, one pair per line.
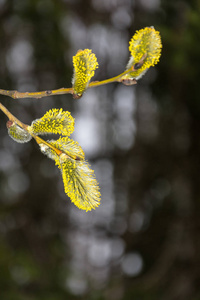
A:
36, 95
106, 81
39, 140
110, 80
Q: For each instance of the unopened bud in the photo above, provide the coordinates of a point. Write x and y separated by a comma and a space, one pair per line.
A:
17, 133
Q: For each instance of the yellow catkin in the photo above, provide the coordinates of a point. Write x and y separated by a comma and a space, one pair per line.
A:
54, 121
85, 63
145, 45
80, 184
79, 180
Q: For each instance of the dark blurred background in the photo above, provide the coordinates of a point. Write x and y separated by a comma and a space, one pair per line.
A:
143, 141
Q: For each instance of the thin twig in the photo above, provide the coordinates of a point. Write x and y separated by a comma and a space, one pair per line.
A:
37, 95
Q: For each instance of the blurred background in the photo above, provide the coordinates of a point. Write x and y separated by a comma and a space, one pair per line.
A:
143, 141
